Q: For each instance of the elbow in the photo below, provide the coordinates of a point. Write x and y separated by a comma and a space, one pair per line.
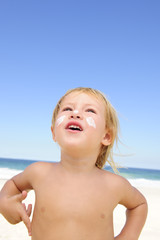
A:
140, 210
145, 207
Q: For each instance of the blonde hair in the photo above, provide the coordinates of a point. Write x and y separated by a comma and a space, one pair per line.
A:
112, 124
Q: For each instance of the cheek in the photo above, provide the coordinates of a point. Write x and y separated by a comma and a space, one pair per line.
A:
91, 122
60, 120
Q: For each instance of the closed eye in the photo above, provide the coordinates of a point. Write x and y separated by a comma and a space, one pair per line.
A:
67, 109
91, 110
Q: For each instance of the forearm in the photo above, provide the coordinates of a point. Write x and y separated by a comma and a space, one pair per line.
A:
135, 220
9, 189
11, 206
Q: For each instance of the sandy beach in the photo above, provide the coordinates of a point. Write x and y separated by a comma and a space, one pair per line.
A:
151, 230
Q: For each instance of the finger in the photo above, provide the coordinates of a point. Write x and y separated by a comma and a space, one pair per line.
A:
29, 210
24, 195
24, 206
21, 196
27, 222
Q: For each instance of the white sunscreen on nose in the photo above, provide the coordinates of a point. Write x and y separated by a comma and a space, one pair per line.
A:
91, 122
60, 120
75, 111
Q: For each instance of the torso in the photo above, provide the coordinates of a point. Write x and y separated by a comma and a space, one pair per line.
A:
73, 207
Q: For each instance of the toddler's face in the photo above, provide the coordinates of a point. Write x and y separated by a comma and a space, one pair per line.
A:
81, 120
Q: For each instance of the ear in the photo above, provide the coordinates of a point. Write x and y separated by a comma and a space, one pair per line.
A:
53, 134
107, 139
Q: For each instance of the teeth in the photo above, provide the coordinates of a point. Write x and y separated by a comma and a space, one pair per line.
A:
75, 127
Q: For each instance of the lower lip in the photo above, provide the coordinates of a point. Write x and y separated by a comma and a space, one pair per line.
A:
73, 131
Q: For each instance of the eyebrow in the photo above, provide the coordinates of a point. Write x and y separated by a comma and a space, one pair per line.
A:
87, 104
91, 105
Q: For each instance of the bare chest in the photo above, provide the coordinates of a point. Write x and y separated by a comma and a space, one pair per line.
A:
80, 201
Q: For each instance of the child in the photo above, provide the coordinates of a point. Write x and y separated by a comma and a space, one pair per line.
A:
75, 198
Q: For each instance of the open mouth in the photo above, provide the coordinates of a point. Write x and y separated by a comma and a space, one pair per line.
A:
74, 127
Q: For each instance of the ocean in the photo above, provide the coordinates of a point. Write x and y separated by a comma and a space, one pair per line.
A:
10, 167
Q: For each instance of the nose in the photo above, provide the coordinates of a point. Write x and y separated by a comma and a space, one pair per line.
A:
76, 114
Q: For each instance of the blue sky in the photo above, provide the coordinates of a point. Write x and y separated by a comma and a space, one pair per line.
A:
48, 47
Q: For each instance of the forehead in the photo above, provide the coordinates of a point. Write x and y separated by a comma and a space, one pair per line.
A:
81, 97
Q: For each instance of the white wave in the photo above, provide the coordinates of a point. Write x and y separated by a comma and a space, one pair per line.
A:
7, 173
141, 182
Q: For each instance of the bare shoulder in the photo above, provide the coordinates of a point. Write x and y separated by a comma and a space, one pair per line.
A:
33, 174
126, 194
39, 168
114, 180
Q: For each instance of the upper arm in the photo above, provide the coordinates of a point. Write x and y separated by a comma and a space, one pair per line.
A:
27, 179
129, 196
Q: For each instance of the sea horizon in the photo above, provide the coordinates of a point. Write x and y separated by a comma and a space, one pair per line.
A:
145, 176
12, 166
41, 160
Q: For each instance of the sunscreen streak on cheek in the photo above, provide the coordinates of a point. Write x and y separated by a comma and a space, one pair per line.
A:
91, 122
60, 120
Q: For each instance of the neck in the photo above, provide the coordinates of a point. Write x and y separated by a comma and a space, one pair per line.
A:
78, 164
